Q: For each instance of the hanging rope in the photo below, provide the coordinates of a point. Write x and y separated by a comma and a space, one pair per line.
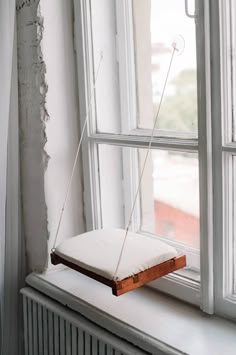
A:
143, 168
77, 152
144, 164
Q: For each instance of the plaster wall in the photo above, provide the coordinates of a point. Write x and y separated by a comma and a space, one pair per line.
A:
48, 125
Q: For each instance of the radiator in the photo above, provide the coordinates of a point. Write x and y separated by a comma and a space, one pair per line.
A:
52, 329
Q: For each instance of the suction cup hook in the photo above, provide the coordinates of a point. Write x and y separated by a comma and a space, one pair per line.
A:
178, 44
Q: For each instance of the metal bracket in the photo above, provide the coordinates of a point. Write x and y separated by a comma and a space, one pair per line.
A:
172, 262
187, 11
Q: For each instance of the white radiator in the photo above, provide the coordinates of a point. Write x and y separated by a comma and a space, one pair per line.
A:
51, 329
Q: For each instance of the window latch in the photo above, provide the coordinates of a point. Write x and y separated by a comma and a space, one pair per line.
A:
187, 13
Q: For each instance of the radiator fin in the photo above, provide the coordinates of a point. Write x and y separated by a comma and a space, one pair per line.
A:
48, 332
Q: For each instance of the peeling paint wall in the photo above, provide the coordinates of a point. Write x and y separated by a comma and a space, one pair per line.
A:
31, 71
48, 124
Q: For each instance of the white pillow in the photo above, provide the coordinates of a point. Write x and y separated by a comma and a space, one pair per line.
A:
98, 251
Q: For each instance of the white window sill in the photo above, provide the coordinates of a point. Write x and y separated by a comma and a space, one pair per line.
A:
144, 317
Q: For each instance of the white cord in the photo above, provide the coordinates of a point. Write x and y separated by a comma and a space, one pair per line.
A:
144, 165
77, 153
143, 168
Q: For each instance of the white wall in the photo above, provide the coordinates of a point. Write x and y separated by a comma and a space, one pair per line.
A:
62, 128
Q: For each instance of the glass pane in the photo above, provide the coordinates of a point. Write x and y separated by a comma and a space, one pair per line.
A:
111, 186
157, 24
175, 196
168, 202
107, 102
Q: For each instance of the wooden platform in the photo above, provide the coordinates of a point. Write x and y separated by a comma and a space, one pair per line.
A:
130, 283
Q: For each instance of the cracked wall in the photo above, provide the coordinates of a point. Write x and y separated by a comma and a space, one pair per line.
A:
48, 105
31, 73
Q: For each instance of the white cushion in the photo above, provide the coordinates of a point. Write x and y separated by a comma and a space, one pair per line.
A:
98, 251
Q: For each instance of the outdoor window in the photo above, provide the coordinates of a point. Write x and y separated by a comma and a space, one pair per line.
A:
180, 54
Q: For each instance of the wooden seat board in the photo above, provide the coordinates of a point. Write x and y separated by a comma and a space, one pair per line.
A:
130, 283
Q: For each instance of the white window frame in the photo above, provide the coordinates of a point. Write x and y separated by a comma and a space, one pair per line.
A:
224, 150
188, 291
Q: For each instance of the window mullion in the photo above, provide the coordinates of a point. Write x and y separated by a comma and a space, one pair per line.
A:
205, 154
143, 142
224, 151
229, 148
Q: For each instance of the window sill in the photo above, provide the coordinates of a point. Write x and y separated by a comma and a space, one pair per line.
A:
149, 319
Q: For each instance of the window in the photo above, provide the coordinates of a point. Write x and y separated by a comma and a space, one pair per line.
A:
187, 193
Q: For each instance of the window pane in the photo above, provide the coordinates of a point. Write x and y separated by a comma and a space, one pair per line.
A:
168, 203
157, 24
175, 192
111, 186
108, 112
